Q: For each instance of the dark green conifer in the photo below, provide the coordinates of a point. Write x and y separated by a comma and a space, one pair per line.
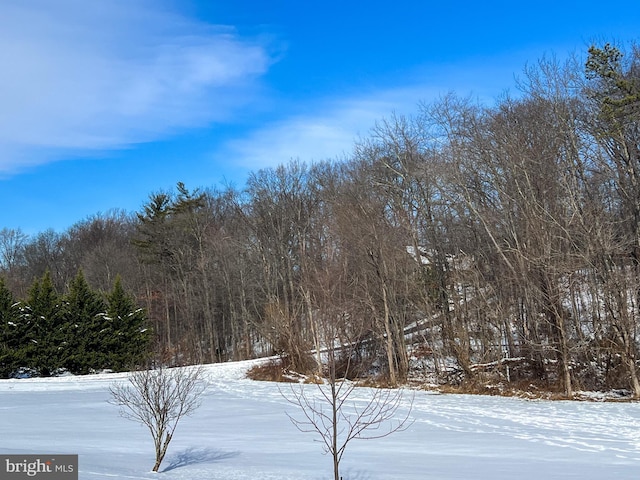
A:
10, 334
128, 336
43, 312
85, 326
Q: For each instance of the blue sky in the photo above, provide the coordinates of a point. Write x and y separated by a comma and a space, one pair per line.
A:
106, 101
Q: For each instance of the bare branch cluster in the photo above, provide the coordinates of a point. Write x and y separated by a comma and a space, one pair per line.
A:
338, 418
158, 399
339, 411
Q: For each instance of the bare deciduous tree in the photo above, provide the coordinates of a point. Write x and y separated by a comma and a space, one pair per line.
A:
158, 399
12, 242
337, 416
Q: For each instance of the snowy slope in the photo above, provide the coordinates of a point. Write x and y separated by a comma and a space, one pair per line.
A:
241, 432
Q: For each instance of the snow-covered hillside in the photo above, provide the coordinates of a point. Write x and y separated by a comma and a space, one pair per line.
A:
242, 432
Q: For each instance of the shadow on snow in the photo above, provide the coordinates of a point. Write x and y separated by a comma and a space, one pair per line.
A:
193, 456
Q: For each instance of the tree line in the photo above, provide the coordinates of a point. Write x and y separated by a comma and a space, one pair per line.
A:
496, 241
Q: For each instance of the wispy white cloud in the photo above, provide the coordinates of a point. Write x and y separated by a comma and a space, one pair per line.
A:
330, 127
328, 132
81, 75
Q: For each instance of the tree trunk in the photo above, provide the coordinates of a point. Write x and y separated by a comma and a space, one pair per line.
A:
633, 373
393, 379
161, 450
334, 426
629, 359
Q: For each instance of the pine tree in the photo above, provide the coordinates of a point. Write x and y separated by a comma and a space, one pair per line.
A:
43, 312
26, 335
85, 326
10, 336
128, 337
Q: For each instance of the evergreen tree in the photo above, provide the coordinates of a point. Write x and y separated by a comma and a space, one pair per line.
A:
85, 326
127, 338
43, 312
8, 310
26, 337
10, 335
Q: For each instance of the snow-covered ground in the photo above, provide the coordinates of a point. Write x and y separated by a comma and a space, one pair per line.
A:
242, 432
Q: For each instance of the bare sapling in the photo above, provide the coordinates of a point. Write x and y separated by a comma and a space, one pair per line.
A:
159, 399
332, 411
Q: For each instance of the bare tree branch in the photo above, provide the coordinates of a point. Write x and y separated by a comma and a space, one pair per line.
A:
337, 417
158, 399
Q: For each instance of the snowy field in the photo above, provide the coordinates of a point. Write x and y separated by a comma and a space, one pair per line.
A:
242, 432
